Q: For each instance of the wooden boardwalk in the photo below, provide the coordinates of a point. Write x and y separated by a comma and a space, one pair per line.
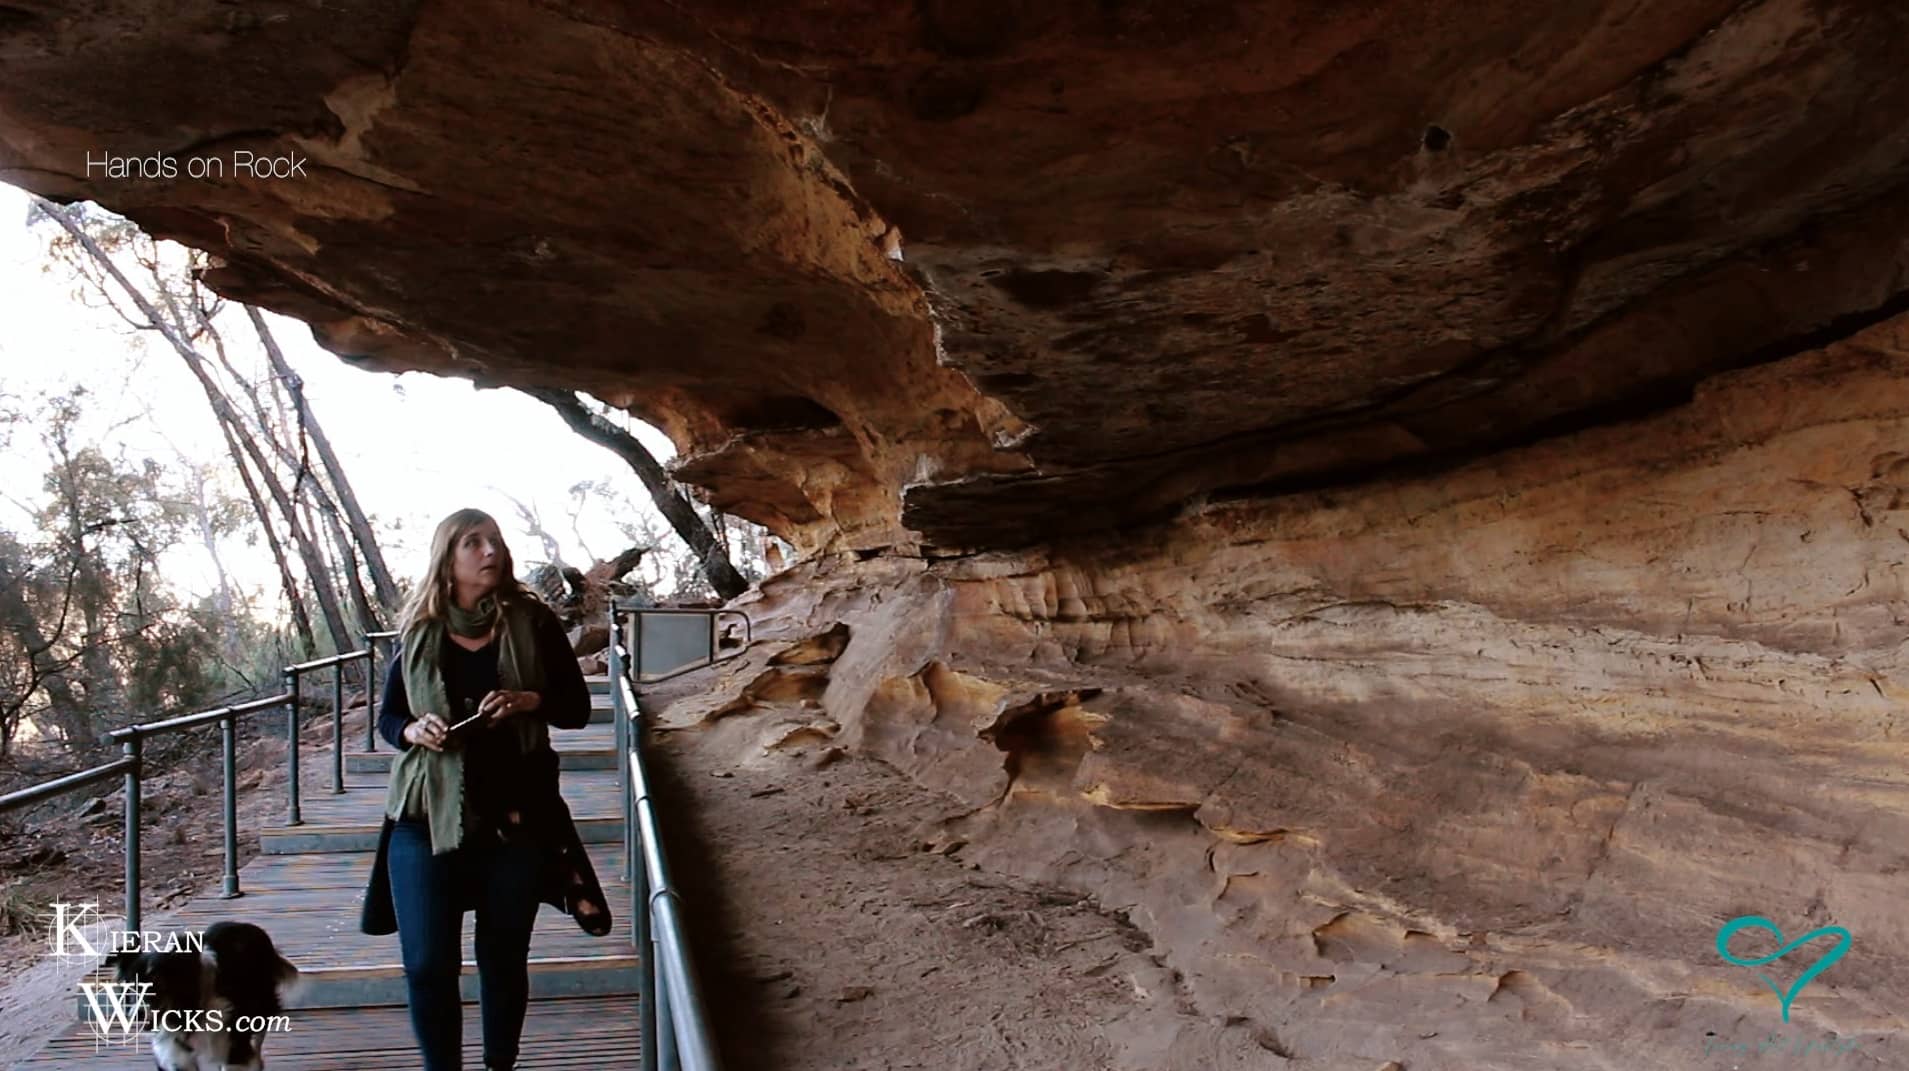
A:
592, 747
310, 903
305, 889
350, 822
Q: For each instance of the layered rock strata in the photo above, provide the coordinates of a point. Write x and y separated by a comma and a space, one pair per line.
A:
1465, 771
1402, 503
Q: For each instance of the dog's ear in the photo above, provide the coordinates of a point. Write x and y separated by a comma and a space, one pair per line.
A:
125, 965
174, 976
291, 983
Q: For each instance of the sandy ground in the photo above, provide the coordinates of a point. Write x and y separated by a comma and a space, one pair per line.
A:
831, 934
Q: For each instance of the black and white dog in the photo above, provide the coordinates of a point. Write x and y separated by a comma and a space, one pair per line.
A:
199, 1000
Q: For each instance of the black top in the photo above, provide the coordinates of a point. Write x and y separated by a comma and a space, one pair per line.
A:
496, 779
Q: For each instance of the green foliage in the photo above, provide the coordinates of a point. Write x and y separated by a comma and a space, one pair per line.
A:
92, 634
165, 664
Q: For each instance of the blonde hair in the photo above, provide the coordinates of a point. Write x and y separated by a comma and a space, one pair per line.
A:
431, 598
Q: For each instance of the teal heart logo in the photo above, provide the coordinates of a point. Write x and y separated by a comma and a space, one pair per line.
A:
1744, 922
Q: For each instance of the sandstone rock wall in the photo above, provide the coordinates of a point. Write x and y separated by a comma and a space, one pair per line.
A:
1464, 771
1405, 500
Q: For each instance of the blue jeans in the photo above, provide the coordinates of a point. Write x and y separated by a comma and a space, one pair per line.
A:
501, 880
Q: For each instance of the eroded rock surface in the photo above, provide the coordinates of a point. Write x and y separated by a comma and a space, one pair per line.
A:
1463, 772
977, 274
1399, 507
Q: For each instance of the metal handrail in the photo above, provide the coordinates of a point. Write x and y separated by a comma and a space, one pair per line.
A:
371, 687
190, 721
27, 797
325, 663
131, 764
670, 995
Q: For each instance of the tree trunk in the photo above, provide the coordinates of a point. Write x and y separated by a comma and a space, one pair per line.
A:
294, 599
229, 419
368, 620
346, 573
334, 471
99, 678
315, 572
64, 706
301, 620
223, 599
675, 508
618, 567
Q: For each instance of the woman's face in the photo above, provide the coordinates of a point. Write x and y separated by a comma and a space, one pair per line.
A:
477, 561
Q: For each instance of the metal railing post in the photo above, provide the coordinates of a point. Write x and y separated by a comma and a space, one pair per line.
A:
635, 673
646, 978
291, 747
371, 693
666, 1058
228, 733
131, 750
130, 769
622, 734
682, 1028
338, 729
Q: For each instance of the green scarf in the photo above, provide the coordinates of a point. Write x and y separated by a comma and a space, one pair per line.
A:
430, 784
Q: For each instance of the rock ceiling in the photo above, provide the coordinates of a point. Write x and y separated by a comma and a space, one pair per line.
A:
976, 275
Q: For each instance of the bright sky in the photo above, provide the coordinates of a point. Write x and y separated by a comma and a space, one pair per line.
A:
394, 434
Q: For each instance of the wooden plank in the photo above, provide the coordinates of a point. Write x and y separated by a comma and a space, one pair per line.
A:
301, 840
350, 821
584, 739
310, 905
592, 747
549, 980
601, 710
594, 1032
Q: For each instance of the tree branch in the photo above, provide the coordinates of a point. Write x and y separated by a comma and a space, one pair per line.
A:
674, 506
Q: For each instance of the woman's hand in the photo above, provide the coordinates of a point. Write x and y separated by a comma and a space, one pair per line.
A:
426, 732
501, 704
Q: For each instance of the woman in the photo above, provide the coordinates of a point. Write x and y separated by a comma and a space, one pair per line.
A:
473, 817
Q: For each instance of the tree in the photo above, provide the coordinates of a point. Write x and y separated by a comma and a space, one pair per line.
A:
215, 517
34, 663
711, 558
580, 493
177, 334
294, 597
88, 628
334, 470
305, 485
533, 523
